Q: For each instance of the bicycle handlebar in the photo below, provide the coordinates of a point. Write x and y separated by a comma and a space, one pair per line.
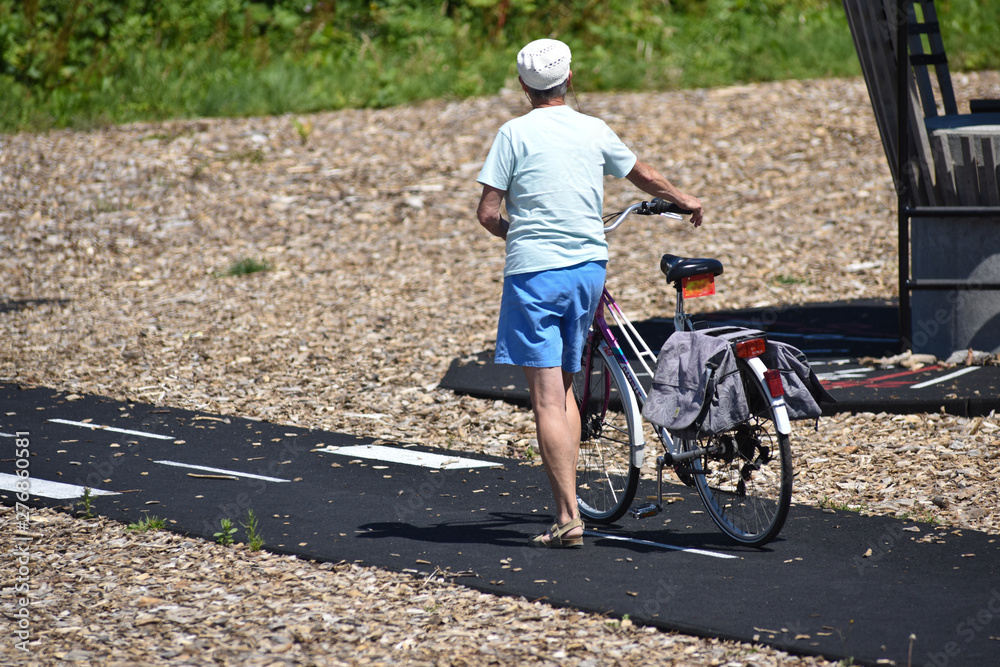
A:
660, 207
655, 207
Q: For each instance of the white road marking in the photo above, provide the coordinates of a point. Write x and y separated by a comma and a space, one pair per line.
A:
633, 540
408, 457
7, 435
945, 378
221, 471
845, 374
99, 427
47, 489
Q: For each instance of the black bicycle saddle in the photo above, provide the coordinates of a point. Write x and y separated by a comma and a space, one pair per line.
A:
675, 268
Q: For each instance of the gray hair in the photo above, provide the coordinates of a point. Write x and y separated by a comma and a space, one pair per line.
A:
558, 91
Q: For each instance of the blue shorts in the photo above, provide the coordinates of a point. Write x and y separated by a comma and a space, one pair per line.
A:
545, 316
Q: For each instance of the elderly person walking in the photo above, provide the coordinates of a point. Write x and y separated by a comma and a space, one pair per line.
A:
549, 167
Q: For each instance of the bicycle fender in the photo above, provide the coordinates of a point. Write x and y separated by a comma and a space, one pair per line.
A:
781, 420
637, 441
638, 454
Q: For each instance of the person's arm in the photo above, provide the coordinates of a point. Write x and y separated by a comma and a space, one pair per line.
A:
650, 181
489, 211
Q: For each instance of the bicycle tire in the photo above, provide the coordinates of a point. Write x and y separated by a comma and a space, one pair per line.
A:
606, 475
745, 478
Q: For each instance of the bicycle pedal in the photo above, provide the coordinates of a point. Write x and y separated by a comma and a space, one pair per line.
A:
644, 511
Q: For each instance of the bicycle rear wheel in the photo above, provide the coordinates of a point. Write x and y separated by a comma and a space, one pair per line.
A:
606, 477
745, 477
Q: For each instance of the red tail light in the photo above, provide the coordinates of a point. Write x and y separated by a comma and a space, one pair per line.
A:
754, 347
773, 379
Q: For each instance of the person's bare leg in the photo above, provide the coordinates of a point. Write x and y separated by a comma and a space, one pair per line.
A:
557, 425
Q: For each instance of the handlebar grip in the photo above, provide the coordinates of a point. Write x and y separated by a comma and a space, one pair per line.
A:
657, 206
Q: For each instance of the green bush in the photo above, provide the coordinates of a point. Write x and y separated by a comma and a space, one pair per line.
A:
85, 62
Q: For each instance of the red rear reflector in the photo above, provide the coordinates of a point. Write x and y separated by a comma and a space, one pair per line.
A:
750, 348
773, 379
703, 285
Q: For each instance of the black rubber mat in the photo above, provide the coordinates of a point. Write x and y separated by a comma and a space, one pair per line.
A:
833, 583
853, 329
833, 336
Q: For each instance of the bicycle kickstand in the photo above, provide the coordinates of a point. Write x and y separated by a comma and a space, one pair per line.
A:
652, 509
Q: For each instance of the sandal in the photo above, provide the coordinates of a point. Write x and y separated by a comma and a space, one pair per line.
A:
555, 536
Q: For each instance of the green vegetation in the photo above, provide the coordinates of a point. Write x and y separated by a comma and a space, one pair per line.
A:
225, 536
248, 265
922, 515
87, 501
829, 504
146, 524
783, 279
255, 541
81, 63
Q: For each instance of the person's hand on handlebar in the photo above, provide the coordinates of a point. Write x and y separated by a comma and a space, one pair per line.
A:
649, 180
692, 204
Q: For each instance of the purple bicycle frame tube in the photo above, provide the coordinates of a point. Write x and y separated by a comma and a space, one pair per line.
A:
602, 325
602, 329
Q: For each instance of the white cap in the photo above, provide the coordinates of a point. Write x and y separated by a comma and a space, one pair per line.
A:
543, 64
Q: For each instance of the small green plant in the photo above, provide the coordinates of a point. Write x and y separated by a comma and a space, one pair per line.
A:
88, 503
304, 129
105, 206
828, 504
248, 265
254, 539
146, 524
253, 155
784, 279
165, 137
225, 536
922, 515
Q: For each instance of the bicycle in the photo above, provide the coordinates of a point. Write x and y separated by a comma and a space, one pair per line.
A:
743, 475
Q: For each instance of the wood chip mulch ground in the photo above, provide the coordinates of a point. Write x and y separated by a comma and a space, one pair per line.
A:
117, 245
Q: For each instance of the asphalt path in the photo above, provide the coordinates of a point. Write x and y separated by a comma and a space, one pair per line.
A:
833, 583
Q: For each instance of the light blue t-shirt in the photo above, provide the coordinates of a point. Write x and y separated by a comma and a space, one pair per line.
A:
551, 162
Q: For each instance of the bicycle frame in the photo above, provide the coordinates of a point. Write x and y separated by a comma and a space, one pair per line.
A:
609, 347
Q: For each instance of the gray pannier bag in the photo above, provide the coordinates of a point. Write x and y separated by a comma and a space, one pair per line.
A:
803, 391
697, 390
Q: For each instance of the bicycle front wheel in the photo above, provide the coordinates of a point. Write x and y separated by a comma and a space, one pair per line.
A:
606, 477
745, 476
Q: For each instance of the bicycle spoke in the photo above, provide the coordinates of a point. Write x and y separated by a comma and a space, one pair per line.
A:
606, 477
746, 480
